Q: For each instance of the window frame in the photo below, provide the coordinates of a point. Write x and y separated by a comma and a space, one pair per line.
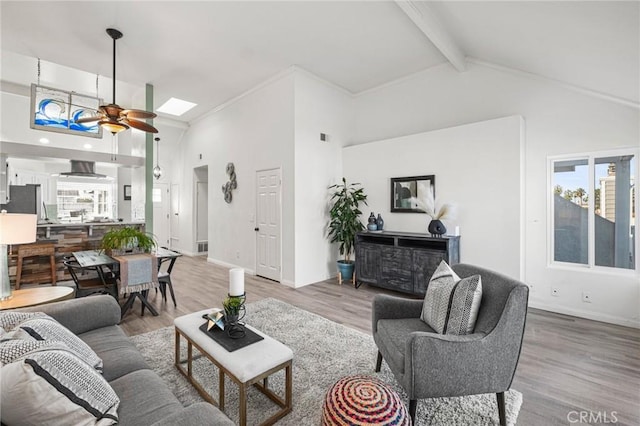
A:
590, 156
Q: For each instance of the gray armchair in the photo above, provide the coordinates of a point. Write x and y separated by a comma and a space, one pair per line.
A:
431, 365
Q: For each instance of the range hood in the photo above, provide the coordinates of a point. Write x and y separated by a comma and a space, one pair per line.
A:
83, 169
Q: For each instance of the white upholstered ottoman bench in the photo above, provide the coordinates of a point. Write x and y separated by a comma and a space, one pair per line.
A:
250, 365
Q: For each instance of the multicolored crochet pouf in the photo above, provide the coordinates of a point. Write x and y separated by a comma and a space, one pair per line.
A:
363, 400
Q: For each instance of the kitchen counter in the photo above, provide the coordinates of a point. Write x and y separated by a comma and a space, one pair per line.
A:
89, 225
67, 238
76, 225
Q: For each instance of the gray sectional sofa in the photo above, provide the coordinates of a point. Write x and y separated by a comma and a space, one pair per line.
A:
144, 398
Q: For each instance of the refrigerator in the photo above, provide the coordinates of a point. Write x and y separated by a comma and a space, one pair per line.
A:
24, 199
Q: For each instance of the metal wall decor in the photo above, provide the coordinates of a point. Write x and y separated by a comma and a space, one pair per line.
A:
231, 184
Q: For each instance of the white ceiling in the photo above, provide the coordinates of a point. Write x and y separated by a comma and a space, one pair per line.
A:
211, 51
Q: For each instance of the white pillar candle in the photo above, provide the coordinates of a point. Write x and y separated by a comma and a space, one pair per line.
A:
236, 282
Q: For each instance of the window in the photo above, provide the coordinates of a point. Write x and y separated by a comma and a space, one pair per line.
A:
84, 201
593, 210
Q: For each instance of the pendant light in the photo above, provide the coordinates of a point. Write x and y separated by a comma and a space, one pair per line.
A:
157, 171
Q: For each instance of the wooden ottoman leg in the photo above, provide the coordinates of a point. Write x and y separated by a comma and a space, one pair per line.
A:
242, 391
220, 389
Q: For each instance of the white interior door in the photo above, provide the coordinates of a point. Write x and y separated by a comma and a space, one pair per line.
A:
161, 220
175, 216
268, 238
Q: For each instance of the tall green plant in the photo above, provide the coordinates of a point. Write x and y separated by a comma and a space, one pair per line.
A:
344, 221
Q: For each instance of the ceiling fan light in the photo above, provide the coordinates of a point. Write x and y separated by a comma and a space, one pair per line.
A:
112, 126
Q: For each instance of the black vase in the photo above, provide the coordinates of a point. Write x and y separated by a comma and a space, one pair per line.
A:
436, 227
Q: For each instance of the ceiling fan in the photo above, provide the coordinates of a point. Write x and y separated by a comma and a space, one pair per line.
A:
113, 117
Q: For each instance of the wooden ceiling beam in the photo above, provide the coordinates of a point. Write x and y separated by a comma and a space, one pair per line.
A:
428, 22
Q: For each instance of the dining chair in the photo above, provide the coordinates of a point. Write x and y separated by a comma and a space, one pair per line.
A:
164, 277
91, 280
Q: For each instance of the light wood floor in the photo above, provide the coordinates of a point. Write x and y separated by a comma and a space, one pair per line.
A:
567, 364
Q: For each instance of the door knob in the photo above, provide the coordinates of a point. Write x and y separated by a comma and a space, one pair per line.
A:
256, 229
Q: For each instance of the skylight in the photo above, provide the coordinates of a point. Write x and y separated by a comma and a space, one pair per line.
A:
176, 106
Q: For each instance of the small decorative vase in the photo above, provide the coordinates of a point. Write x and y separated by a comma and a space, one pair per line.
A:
380, 222
372, 225
436, 227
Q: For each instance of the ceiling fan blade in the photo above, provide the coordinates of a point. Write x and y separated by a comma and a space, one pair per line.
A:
138, 113
140, 125
88, 119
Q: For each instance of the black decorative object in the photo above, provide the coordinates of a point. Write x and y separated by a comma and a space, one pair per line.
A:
229, 343
436, 227
380, 222
234, 311
372, 225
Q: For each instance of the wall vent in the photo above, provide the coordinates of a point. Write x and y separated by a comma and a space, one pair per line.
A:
203, 246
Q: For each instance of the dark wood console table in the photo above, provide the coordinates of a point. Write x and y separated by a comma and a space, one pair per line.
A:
402, 261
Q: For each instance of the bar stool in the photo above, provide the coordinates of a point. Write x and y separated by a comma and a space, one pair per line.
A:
32, 250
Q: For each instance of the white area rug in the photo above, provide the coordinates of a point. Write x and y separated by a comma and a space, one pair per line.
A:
324, 351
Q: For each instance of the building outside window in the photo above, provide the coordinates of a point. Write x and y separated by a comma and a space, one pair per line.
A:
593, 210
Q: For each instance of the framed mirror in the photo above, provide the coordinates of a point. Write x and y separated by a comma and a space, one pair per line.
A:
405, 188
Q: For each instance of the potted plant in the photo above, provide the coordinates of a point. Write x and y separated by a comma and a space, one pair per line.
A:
344, 222
233, 306
127, 240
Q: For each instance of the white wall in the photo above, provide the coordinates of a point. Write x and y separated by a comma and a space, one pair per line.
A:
319, 108
558, 121
255, 132
471, 164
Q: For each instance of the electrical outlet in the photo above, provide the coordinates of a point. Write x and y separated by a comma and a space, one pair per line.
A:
586, 297
555, 291
238, 254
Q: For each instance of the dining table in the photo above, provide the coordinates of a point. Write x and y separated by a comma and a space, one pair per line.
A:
96, 258
99, 259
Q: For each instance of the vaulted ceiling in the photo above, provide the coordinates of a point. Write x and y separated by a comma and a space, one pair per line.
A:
211, 51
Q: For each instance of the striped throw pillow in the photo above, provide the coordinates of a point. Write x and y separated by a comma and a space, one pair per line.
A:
451, 304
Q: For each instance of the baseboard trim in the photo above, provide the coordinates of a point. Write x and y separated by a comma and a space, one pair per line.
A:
288, 283
595, 316
229, 265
